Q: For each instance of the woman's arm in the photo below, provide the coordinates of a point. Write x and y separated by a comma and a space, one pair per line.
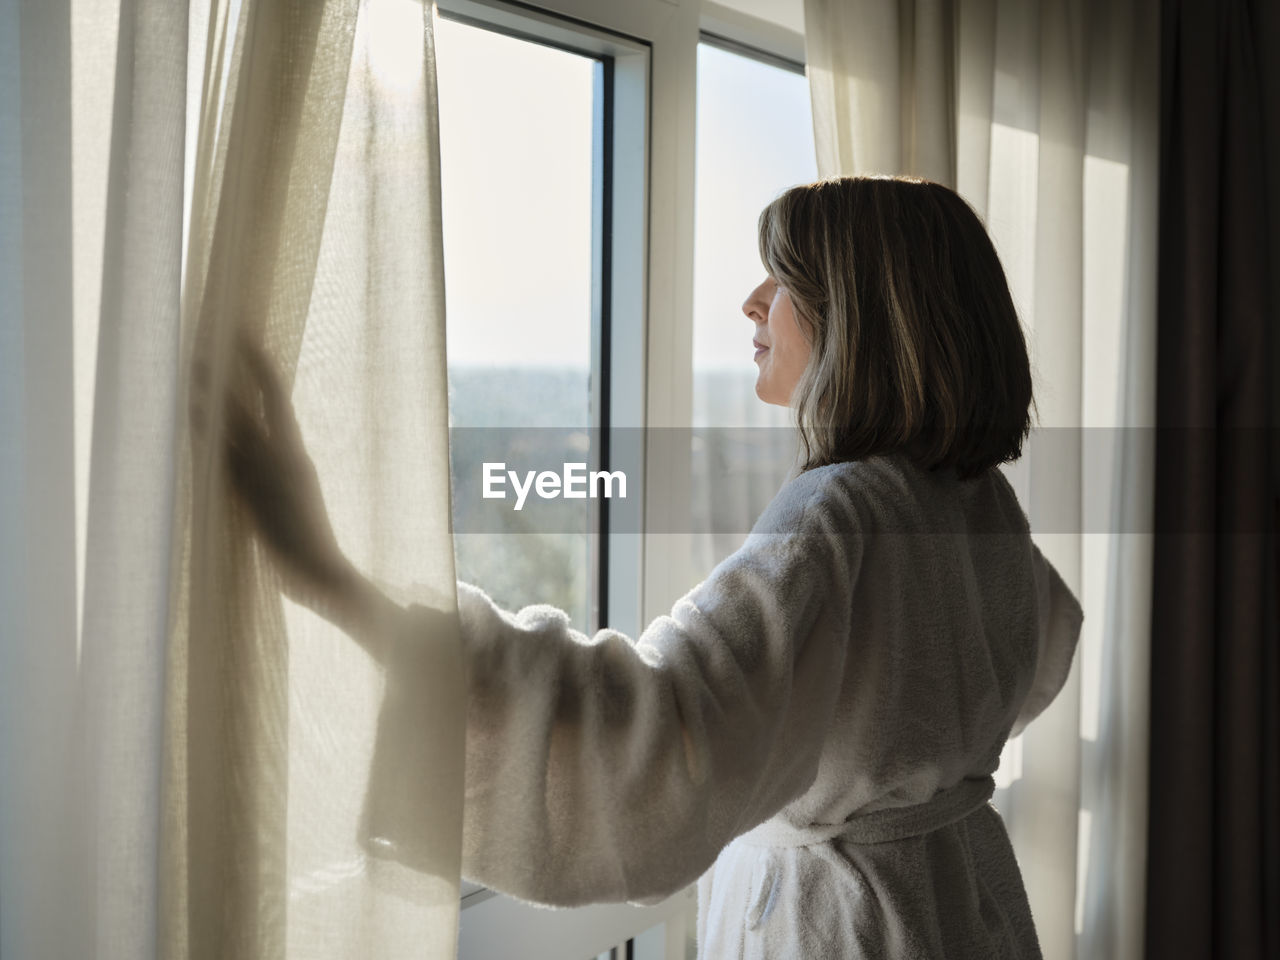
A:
605, 769
599, 769
275, 480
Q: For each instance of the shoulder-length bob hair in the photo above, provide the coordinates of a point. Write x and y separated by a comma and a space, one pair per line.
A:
915, 343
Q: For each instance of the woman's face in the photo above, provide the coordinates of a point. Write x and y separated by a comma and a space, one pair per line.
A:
782, 350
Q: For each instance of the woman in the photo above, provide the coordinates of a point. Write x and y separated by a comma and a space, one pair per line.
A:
811, 733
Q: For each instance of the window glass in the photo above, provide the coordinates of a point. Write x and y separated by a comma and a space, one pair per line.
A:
754, 139
517, 129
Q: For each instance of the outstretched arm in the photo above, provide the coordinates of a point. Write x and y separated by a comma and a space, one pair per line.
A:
601, 768
276, 481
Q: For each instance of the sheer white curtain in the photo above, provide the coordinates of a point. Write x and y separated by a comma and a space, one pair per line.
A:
1042, 114
189, 765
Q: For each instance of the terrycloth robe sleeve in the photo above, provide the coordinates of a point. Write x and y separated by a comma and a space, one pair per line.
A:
606, 769
1059, 617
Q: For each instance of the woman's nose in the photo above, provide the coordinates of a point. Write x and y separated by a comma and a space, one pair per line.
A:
756, 306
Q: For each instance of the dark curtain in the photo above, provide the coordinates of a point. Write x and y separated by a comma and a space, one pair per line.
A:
1213, 852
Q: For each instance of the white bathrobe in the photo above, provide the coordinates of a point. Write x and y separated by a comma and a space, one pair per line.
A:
810, 734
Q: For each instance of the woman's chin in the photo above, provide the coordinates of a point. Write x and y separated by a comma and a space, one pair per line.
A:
767, 395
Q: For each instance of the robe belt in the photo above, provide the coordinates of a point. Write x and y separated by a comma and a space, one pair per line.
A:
881, 826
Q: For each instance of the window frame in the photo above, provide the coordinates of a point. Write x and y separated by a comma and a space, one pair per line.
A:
645, 347
619, 254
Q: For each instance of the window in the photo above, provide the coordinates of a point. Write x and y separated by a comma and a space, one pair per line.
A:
518, 143
755, 139
543, 127
578, 118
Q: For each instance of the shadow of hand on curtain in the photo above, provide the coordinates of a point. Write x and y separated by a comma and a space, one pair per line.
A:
275, 480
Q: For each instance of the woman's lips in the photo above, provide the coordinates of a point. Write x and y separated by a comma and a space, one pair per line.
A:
761, 349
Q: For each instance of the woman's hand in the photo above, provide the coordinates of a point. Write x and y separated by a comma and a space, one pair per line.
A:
274, 477
276, 480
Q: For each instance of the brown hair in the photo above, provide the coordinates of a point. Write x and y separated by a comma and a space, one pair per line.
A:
915, 341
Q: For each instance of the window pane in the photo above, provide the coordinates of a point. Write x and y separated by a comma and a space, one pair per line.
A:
755, 139
516, 140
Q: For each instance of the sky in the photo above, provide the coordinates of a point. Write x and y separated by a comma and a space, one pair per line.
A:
515, 167
755, 139
515, 141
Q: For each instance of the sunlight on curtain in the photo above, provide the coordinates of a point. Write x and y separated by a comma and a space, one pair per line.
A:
1044, 119
190, 766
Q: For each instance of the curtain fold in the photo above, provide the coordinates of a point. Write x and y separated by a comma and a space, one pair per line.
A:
882, 80
129, 497
1213, 876
202, 769
1043, 116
